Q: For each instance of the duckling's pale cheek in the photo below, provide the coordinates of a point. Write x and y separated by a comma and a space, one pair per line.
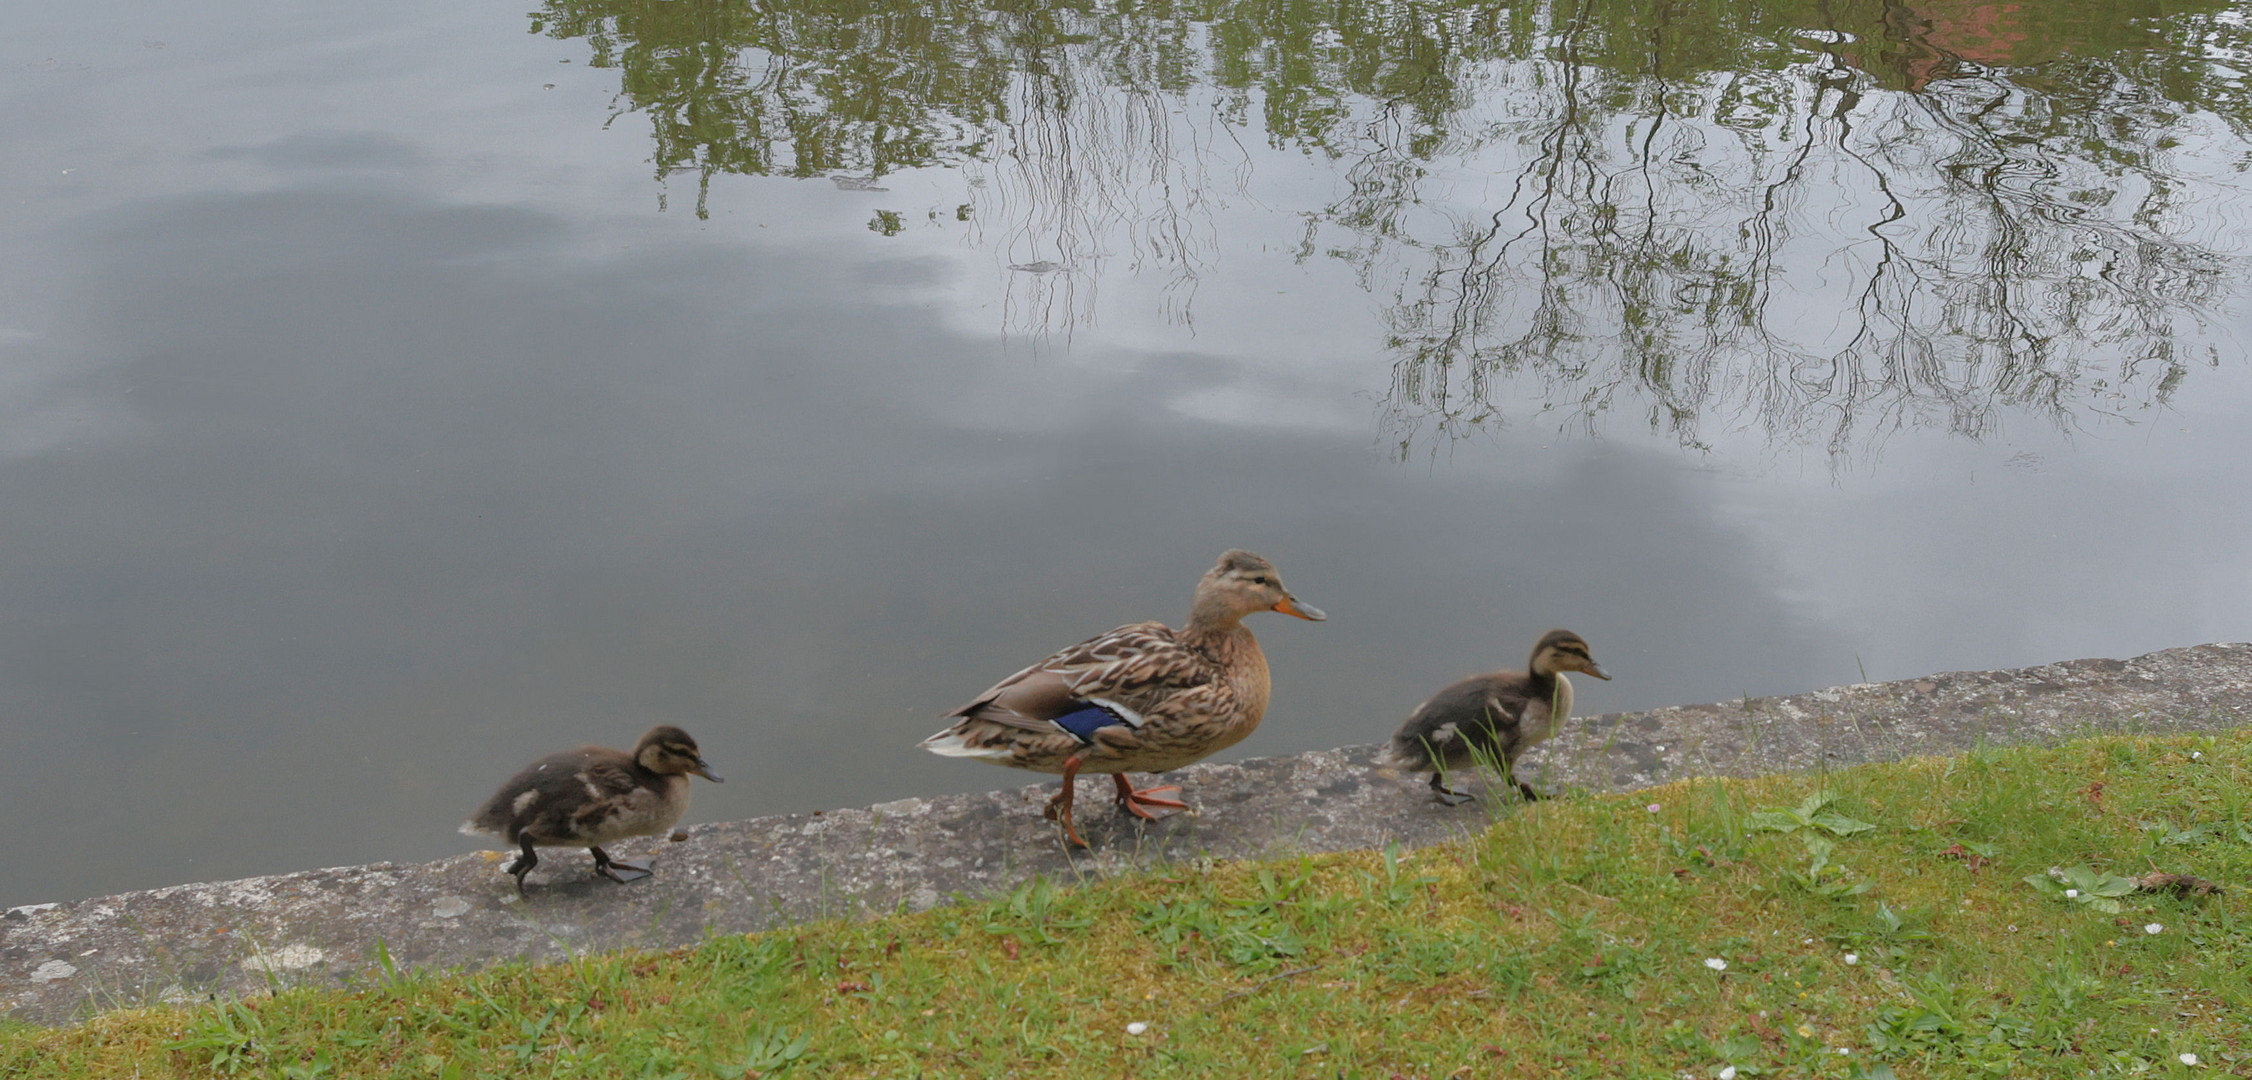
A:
523, 802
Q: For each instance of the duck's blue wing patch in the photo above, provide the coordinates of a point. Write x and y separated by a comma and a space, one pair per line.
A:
1082, 722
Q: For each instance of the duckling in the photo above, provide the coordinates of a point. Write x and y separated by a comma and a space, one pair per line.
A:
594, 796
1141, 698
1499, 716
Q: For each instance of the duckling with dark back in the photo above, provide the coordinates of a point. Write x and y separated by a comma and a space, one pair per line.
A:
1495, 717
593, 796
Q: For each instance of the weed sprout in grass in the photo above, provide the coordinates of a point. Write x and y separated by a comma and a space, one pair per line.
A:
2081, 885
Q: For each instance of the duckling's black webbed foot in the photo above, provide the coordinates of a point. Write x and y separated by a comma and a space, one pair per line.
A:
522, 865
1448, 795
620, 870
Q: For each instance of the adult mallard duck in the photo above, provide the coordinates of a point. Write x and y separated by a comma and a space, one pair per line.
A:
593, 796
1141, 698
1497, 716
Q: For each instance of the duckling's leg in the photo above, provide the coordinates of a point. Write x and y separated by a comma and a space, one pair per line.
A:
619, 870
522, 864
1509, 775
1059, 805
1138, 802
1448, 795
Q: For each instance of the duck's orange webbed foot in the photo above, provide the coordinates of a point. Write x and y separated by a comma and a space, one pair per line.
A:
1059, 804
1139, 802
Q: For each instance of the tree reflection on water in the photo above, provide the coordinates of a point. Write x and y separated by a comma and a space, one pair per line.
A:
1823, 221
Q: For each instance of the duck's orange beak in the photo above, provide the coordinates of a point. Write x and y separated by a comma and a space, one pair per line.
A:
1290, 605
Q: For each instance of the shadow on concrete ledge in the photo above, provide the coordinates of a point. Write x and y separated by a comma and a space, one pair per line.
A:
60, 962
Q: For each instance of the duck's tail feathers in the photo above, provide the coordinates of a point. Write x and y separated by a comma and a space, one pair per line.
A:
1420, 750
953, 742
1398, 756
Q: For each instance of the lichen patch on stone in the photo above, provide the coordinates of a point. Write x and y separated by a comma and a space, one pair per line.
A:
286, 958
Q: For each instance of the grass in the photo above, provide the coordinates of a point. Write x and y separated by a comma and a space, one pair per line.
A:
1867, 923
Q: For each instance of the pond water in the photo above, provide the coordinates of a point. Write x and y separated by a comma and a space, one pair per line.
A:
390, 393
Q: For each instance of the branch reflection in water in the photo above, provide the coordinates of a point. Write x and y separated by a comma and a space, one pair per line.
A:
1819, 221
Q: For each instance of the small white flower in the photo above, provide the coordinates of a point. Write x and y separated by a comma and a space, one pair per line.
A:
1845, 1050
1136, 1028
1653, 808
2195, 755
2154, 928
1727, 1072
1717, 964
1852, 958
2188, 1059
2072, 894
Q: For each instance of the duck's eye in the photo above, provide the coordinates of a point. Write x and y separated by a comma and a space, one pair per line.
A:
1261, 579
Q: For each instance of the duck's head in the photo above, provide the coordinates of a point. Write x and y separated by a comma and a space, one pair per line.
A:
1241, 583
1562, 650
672, 752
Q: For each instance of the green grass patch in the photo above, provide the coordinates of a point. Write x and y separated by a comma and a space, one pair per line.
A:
1892, 920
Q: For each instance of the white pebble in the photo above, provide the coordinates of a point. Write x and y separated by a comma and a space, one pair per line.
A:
1136, 1028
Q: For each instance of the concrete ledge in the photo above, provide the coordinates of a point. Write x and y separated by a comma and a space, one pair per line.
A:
60, 962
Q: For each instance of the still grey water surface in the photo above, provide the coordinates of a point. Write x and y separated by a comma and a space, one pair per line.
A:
388, 396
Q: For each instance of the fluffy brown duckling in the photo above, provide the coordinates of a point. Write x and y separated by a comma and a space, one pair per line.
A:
593, 796
1141, 698
1497, 716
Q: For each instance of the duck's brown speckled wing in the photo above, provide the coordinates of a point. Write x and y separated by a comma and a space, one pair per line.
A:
1142, 671
1137, 666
